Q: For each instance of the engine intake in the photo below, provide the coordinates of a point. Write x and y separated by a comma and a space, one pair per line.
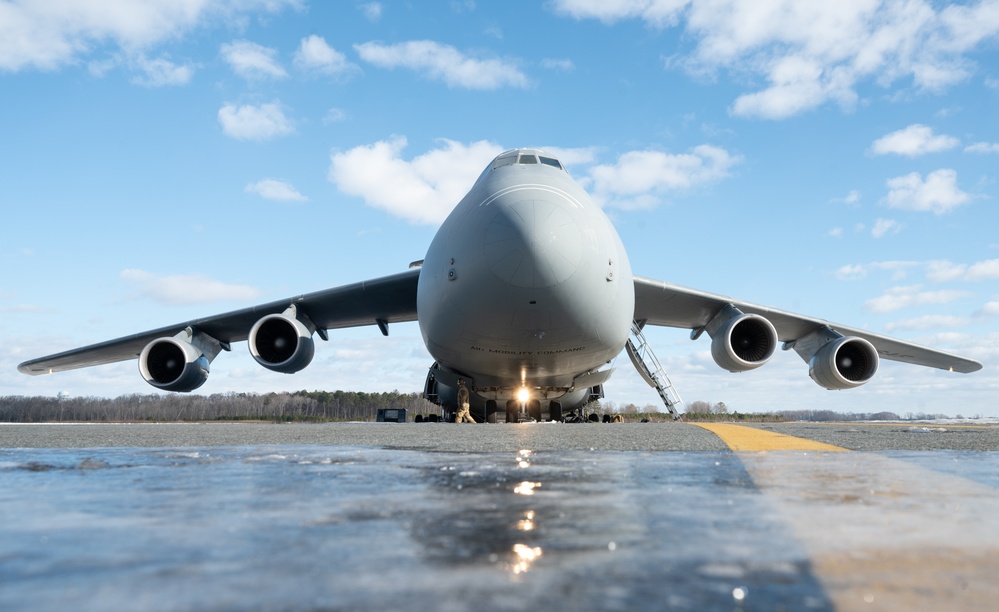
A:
739, 341
283, 342
180, 363
844, 363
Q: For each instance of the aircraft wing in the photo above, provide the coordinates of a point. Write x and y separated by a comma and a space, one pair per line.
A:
390, 299
661, 303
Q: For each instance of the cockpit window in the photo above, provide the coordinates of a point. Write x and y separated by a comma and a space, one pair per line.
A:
551, 161
509, 160
524, 156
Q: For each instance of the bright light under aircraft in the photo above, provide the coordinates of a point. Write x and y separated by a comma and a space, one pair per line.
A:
527, 294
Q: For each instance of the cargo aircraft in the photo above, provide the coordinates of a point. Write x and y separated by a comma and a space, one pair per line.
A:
526, 293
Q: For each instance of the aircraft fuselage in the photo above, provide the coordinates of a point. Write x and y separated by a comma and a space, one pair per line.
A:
526, 284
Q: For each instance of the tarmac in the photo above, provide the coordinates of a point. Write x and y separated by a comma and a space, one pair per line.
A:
360, 516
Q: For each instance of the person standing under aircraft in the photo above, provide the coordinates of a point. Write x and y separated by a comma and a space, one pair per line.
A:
463, 415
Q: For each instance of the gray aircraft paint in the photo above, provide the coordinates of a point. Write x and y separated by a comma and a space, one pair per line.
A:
526, 283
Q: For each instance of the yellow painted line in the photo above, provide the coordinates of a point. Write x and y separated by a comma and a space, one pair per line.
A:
741, 438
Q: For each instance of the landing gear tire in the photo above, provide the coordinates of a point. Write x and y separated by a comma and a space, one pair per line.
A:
534, 410
490, 411
555, 411
511, 411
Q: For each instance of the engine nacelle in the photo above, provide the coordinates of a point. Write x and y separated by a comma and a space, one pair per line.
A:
179, 363
844, 363
739, 341
283, 342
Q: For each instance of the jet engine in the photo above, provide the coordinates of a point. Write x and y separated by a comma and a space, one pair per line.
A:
179, 363
283, 342
739, 341
844, 363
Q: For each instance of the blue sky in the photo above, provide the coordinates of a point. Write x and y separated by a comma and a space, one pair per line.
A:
165, 160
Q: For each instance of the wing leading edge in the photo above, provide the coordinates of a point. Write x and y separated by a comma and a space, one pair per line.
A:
661, 303
389, 299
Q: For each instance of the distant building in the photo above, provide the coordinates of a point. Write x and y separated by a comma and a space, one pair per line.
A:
391, 415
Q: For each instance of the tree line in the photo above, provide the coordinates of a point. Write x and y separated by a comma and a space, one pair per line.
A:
344, 406
704, 411
297, 406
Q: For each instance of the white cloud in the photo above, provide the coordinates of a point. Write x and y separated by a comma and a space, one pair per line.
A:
851, 272
897, 298
372, 11
899, 269
640, 178
796, 85
938, 193
812, 53
334, 115
565, 65
659, 13
836, 232
161, 72
422, 190
445, 63
314, 54
928, 322
25, 308
936, 271
272, 189
179, 289
917, 139
252, 61
990, 309
254, 122
982, 147
883, 227
944, 271
49, 35
578, 156
494, 31
852, 198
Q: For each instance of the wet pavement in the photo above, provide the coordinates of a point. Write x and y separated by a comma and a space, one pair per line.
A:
498, 517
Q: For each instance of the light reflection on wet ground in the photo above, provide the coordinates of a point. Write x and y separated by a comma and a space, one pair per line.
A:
383, 516
303, 527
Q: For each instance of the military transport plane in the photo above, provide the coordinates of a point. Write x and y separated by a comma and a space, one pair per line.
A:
525, 293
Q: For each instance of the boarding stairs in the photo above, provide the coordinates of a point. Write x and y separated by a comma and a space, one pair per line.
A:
651, 370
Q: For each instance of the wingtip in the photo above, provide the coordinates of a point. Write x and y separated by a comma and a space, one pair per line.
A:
975, 366
965, 366
32, 370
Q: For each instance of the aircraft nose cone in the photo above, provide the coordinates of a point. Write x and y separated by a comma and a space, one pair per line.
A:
533, 243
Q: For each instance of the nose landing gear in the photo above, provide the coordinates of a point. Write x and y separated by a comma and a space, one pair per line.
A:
523, 412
